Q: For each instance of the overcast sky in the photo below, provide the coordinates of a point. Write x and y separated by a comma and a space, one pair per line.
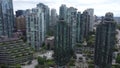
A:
100, 6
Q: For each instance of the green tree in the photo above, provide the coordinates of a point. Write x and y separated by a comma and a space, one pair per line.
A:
118, 59
92, 32
48, 46
3, 66
91, 66
72, 62
91, 40
37, 66
78, 45
18, 66
50, 33
50, 62
118, 26
43, 44
115, 49
116, 66
41, 60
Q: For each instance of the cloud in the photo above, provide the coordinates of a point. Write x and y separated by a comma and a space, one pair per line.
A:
100, 6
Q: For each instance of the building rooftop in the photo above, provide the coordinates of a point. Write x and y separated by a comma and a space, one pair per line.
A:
6, 39
51, 38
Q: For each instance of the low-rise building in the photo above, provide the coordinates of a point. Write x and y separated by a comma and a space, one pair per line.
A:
49, 42
14, 51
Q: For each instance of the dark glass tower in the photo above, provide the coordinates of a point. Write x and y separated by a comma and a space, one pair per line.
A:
86, 21
63, 49
19, 13
105, 41
78, 28
84, 25
6, 18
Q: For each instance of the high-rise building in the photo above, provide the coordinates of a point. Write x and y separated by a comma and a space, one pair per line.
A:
53, 17
63, 12
14, 51
6, 18
82, 28
53, 21
73, 18
91, 13
105, 41
63, 48
86, 21
72, 21
19, 13
46, 11
78, 28
35, 24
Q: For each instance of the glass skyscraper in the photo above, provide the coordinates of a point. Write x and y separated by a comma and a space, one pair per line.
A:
105, 41
91, 14
63, 49
6, 18
63, 10
35, 28
78, 29
86, 21
46, 11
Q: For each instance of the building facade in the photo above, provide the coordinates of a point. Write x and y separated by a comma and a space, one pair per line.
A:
53, 21
63, 48
21, 23
91, 13
14, 51
82, 28
105, 42
78, 28
35, 24
19, 13
63, 12
84, 25
6, 18
49, 42
46, 11
73, 19
72, 22
86, 21
53, 17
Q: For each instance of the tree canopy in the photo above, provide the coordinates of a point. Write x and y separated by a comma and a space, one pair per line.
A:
118, 59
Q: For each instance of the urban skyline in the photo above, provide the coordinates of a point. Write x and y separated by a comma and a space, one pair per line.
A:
40, 38
101, 7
